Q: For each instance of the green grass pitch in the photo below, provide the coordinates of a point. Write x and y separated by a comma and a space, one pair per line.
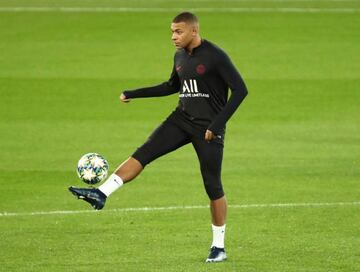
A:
295, 139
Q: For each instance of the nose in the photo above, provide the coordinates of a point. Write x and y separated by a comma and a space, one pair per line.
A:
173, 37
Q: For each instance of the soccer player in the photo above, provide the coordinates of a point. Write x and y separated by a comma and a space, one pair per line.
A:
202, 74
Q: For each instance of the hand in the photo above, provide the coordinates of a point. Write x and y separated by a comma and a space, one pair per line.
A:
209, 135
124, 99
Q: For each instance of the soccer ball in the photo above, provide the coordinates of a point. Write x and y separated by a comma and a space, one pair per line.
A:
92, 168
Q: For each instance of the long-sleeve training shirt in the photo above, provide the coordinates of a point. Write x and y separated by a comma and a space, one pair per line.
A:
202, 80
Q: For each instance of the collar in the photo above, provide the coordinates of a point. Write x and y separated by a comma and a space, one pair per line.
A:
201, 45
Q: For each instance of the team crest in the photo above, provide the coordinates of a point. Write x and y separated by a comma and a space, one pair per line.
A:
200, 69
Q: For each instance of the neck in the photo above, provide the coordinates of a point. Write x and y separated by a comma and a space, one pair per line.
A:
193, 44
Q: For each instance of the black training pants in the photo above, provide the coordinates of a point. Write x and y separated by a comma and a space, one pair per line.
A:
169, 137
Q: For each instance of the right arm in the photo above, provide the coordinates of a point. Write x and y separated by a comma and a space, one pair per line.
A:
169, 87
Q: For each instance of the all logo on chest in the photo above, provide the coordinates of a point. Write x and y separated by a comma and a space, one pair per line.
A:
189, 73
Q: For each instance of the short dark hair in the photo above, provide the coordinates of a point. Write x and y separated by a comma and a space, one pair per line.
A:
186, 17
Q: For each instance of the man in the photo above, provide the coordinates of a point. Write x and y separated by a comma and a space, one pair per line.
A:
202, 74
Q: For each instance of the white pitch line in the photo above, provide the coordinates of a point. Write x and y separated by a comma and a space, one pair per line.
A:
217, 10
154, 209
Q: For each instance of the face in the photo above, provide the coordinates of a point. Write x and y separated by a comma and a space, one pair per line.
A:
182, 34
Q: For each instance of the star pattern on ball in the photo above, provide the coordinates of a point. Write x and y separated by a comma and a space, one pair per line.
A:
97, 162
83, 160
92, 168
88, 174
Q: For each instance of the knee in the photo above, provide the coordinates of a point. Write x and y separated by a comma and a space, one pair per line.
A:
213, 188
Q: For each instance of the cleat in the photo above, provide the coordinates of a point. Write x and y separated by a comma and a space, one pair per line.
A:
94, 196
216, 255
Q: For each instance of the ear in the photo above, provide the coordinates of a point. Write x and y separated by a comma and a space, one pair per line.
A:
195, 30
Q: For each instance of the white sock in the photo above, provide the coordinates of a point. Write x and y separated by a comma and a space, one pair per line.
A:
113, 183
218, 236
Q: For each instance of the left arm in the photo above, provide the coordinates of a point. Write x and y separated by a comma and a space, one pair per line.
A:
238, 92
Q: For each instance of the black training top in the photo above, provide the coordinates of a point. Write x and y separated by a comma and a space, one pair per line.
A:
202, 79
